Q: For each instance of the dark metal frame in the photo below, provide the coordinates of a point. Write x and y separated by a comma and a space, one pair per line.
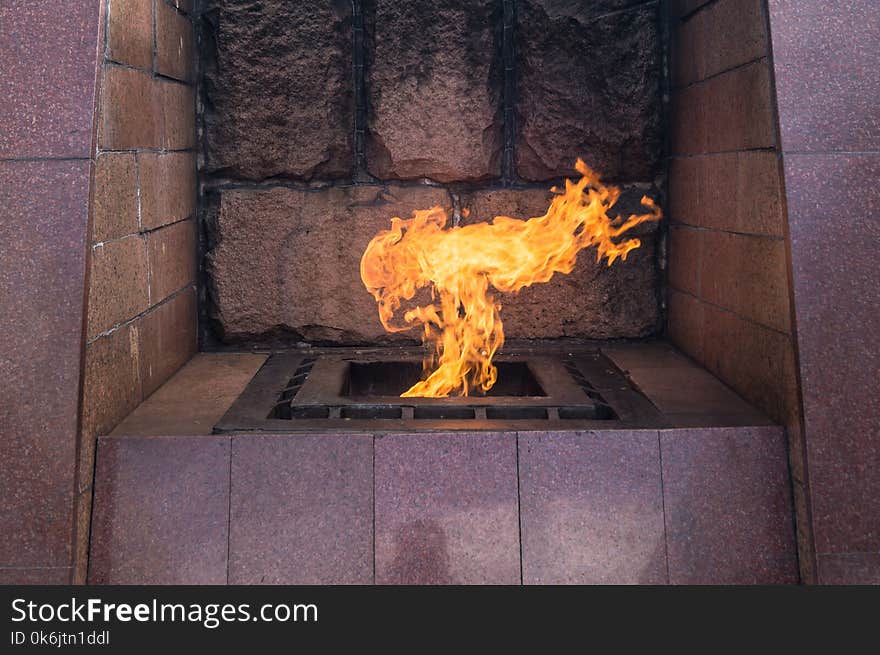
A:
303, 392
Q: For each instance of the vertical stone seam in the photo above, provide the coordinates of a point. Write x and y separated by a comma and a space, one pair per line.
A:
519, 521
663, 506
360, 104
508, 60
804, 535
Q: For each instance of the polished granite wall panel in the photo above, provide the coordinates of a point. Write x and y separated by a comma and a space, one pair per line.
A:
301, 510
591, 508
729, 284
849, 569
47, 102
826, 61
834, 213
43, 205
47, 90
727, 503
161, 510
446, 509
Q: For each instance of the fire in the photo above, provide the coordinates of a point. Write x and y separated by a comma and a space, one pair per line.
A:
455, 268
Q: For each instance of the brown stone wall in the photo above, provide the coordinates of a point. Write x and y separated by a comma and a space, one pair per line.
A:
728, 287
321, 121
141, 322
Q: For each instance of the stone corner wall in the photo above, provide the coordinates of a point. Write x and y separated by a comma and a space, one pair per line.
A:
321, 121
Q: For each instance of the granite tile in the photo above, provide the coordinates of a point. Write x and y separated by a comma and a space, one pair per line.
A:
685, 257
160, 511
702, 419
747, 275
131, 111
756, 362
118, 286
167, 187
684, 323
179, 116
171, 252
43, 223
446, 509
690, 390
732, 34
728, 33
685, 50
687, 128
301, 509
175, 55
645, 354
738, 109
849, 569
115, 201
57, 575
827, 74
47, 90
685, 185
591, 508
836, 298
130, 32
195, 398
742, 192
727, 503
733, 191
731, 111
111, 389
167, 339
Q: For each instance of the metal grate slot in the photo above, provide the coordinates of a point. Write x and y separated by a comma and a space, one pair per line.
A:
371, 411
444, 412
516, 413
309, 411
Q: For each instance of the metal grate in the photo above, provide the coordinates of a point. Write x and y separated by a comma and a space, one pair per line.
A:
387, 378
346, 389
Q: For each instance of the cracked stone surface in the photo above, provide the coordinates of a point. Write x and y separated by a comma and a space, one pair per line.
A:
286, 263
279, 93
434, 83
588, 85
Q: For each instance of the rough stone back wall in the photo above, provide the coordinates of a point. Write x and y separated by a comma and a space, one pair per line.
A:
728, 293
320, 121
141, 323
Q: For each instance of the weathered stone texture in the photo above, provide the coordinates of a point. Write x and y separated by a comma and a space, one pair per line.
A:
288, 261
588, 85
434, 83
594, 301
278, 88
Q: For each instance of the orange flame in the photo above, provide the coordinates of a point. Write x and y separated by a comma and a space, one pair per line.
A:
458, 265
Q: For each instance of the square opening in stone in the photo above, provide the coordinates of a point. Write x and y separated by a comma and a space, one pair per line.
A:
366, 379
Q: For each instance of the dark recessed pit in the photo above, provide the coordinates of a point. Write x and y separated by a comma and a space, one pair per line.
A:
367, 379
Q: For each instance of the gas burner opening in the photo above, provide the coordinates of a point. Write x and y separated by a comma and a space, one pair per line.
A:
368, 379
